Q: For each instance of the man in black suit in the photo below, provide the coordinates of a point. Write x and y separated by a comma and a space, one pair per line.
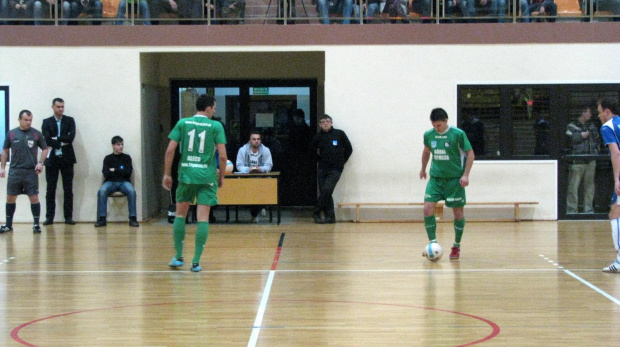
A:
59, 132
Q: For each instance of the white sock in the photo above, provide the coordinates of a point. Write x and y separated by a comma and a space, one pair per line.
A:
615, 229
615, 233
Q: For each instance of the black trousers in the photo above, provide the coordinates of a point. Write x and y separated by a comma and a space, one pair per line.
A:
51, 176
328, 178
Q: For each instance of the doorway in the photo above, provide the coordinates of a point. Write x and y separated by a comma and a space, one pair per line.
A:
268, 106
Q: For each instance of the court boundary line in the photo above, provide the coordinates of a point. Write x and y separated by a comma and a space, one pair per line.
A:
580, 279
258, 321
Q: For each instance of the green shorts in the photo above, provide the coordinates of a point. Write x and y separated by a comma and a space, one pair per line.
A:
201, 194
448, 189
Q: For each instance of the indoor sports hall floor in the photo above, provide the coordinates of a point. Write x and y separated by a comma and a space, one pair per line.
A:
301, 284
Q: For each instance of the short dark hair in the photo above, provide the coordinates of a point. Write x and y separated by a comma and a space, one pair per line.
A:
610, 104
116, 139
325, 116
255, 132
204, 101
438, 114
300, 113
57, 100
26, 112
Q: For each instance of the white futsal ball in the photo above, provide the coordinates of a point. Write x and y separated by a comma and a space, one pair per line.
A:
229, 167
433, 251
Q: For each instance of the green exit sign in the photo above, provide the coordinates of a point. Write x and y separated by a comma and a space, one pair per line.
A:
260, 90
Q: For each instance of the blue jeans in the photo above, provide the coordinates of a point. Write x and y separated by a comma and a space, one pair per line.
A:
523, 6
95, 7
144, 10
342, 6
108, 188
41, 11
467, 8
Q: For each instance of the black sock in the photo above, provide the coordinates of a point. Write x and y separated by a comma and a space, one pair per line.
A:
36, 212
10, 211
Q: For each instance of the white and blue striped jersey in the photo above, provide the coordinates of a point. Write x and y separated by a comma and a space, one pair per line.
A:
610, 131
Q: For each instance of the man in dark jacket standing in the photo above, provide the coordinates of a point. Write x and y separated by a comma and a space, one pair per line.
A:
334, 149
59, 132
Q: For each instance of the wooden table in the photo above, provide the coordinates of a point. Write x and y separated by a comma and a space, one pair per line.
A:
250, 189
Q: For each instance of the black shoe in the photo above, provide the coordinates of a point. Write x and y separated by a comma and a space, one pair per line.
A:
48, 222
330, 220
36, 229
69, 221
5, 229
101, 222
133, 222
317, 218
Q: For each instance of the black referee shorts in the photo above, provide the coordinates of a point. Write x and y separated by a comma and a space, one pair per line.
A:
22, 181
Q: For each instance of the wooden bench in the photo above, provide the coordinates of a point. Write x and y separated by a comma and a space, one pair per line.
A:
439, 207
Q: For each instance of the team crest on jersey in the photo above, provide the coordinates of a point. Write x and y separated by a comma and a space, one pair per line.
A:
30, 143
447, 144
433, 144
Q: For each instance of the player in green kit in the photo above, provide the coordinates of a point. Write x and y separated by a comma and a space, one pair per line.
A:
197, 138
453, 158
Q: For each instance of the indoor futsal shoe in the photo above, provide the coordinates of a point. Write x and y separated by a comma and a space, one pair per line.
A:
614, 267
176, 262
195, 267
5, 229
455, 253
36, 229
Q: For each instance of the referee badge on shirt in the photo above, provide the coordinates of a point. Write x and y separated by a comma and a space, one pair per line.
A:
30, 143
335, 142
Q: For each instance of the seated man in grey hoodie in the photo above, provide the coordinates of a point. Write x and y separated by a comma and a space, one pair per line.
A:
253, 157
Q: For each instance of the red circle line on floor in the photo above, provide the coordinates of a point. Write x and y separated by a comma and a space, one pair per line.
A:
494, 327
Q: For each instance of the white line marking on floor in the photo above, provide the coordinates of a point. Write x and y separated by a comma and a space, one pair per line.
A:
261, 311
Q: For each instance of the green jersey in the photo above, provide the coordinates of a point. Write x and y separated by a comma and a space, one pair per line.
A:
448, 150
197, 137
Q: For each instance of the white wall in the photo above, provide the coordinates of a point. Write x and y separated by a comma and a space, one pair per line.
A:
380, 95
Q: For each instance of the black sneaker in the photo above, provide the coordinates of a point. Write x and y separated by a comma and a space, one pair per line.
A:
133, 223
48, 222
317, 218
36, 229
5, 229
101, 222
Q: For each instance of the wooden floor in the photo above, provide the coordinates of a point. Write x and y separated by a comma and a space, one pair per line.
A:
516, 284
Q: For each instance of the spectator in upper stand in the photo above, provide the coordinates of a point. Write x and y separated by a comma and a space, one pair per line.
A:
162, 6
423, 7
92, 7
143, 8
372, 8
501, 9
231, 9
544, 8
325, 7
397, 9
21, 9
189, 9
43, 9
605, 5
491, 7
291, 11
467, 8
4, 4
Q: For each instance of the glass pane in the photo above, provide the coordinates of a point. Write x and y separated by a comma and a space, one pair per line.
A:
479, 117
273, 111
588, 173
530, 120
